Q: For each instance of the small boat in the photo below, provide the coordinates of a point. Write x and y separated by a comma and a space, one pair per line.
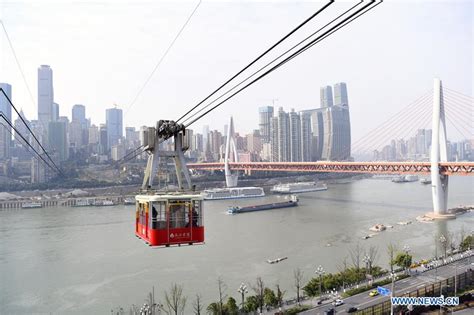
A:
405, 179
293, 202
425, 181
129, 201
103, 203
30, 205
378, 228
275, 261
404, 222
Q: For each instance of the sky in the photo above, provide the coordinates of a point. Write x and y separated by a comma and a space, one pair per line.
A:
101, 53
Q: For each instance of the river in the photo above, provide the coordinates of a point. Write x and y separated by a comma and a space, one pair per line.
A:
88, 261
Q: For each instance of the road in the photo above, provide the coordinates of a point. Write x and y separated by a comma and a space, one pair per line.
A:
363, 300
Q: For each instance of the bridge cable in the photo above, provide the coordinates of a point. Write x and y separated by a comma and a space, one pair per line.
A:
392, 121
258, 58
163, 56
301, 50
421, 110
377, 137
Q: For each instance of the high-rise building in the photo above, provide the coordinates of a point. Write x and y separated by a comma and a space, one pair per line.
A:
45, 95
114, 122
340, 94
265, 115
57, 133
55, 112
326, 96
295, 136
79, 114
93, 135
337, 127
103, 139
274, 139
5, 130
306, 136
283, 136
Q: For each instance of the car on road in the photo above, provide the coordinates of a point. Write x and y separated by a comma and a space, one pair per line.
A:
373, 293
338, 302
352, 309
329, 312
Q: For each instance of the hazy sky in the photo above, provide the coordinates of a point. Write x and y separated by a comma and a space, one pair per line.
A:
101, 53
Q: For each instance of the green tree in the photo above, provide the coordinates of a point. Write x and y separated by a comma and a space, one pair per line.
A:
231, 306
251, 304
269, 297
213, 308
467, 243
403, 260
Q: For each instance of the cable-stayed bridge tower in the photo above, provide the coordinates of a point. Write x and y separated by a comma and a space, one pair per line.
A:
230, 178
439, 153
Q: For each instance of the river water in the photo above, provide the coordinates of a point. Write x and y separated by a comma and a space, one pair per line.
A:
88, 261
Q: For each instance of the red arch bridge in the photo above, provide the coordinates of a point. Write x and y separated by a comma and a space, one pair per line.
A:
421, 168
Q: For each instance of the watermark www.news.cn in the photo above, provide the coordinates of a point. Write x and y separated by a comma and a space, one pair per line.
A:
440, 301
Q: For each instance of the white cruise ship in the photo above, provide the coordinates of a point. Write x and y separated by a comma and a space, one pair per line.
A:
232, 193
32, 205
303, 187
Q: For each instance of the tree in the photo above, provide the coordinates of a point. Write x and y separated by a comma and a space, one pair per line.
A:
279, 295
222, 295
251, 304
175, 300
355, 254
231, 307
197, 305
298, 277
269, 297
391, 249
403, 260
467, 243
259, 290
213, 308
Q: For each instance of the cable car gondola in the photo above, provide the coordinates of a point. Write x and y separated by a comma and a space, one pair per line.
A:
165, 218
169, 219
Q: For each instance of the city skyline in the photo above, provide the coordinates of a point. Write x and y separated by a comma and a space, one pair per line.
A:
162, 96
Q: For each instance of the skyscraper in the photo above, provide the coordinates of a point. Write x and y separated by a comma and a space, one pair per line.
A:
283, 136
336, 127
265, 116
45, 95
114, 124
295, 136
340, 94
55, 112
306, 137
58, 140
5, 131
79, 114
326, 96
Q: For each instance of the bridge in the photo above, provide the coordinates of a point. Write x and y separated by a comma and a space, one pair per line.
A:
416, 168
438, 167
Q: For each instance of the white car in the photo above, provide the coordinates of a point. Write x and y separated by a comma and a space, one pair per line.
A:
338, 302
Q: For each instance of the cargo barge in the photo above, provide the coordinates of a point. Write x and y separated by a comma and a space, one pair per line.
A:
293, 202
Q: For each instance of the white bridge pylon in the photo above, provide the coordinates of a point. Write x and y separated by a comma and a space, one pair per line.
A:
439, 182
230, 178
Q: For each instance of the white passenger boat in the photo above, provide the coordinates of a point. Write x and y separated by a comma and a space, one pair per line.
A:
232, 193
29, 205
302, 187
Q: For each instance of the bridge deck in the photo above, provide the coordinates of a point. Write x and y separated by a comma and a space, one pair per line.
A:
421, 168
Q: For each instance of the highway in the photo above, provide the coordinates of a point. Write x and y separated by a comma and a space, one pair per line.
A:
363, 300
